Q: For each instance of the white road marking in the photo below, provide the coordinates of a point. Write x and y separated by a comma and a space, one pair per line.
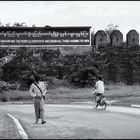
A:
120, 109
135, 105
19, 127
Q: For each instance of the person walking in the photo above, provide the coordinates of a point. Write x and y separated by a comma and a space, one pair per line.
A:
99, 90
37, 91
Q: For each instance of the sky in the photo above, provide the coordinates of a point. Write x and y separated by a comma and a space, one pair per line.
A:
97, 14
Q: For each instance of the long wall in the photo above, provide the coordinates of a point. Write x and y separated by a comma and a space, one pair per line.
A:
115, 39
101, 40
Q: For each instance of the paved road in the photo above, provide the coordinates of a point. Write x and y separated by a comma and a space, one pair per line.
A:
78, 122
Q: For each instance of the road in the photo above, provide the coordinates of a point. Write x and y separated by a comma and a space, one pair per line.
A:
77, 121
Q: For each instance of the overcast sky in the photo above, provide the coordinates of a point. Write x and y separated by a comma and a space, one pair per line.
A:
97, 14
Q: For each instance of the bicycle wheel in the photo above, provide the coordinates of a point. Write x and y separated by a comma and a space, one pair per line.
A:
104, 105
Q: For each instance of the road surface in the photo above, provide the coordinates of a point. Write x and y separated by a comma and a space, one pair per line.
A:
77, 121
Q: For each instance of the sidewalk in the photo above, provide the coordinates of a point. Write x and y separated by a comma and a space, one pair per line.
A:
8, 129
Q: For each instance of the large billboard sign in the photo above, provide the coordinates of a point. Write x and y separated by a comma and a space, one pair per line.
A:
47, 36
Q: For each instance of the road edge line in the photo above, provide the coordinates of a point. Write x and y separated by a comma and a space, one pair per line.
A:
20, 129
135, 105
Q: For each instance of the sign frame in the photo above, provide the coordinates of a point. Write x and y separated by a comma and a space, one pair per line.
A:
49, 28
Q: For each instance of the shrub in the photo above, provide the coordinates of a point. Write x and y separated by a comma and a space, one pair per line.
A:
4, 97
17, 95
4, 86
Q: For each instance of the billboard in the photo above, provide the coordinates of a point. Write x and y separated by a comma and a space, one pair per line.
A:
47, 36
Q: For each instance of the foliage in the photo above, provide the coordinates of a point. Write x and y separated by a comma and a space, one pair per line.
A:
109, 29
4, 86
4, 97
124, 65
16, 24
78, 70
4, 89
116, 64
3, 53
18, 69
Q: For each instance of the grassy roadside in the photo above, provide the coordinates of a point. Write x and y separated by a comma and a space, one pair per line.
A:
125, 95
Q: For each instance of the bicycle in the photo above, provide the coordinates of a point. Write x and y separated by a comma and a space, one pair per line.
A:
102, 103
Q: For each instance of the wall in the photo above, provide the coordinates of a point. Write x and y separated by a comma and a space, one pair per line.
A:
116, 38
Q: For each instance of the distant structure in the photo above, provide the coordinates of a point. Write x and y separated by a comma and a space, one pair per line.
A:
116, 38
69, 40
100, 38
132, 38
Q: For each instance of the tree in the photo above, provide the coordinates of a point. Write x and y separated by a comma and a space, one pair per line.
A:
8, 24
22, 53
17, 24
33, 25
1, 25
109, 29
47, 26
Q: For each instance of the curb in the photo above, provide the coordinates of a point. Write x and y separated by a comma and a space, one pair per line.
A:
20, 129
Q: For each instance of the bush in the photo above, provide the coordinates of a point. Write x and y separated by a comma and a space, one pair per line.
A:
84, 77
18, 95
4, 86
77, 70
55, 82
4, 97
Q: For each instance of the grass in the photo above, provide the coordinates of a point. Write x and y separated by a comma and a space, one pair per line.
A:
16, 95
123, 93
128, 101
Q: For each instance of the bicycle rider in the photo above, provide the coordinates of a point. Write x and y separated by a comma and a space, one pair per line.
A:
99, 90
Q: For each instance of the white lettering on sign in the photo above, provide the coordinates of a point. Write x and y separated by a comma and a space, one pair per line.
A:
40, 34
44, 36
